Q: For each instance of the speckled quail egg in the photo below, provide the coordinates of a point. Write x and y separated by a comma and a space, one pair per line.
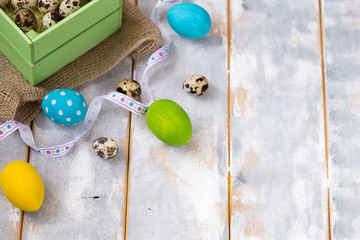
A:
50, 19
196, 85
3, 3
130, 88
25, 19
23, 3
68, 6
48, 5
105, 147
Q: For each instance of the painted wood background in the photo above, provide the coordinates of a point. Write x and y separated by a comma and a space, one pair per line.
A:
274, 147
342, 59
12, 149
277, 127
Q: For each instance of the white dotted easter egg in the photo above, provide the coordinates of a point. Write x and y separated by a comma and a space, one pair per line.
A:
65, 107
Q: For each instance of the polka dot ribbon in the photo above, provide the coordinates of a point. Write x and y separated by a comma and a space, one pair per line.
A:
158, 56
94, 108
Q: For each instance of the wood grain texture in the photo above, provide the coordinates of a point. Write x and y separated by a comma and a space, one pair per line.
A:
84, 194
342, 49
11, 149
277, 158
181, 192
278, 167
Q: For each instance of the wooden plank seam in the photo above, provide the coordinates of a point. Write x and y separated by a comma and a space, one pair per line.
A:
326, 136
27, 159
127, 179
229, 35
128, 160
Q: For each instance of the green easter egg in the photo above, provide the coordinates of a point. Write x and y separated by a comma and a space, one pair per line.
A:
169, 122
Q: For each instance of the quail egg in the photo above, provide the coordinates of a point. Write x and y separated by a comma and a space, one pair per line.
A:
50, 19
47, 5
23, 3
68, 6
105, 147
130, 88
196, 85
3, 3
25, 19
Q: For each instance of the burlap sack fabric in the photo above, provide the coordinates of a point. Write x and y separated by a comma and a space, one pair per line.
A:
21, 101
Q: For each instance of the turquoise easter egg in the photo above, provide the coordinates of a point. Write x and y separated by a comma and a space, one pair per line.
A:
189, 20
64, 106
169, 122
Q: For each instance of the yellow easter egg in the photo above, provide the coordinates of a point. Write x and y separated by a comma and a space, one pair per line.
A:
22, 186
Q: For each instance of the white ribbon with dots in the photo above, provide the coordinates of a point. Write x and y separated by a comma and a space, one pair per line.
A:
158, 56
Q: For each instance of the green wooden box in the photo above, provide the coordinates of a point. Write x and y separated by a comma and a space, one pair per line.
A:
38, 57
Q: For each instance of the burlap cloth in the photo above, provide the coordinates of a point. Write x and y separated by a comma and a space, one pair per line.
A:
21, 101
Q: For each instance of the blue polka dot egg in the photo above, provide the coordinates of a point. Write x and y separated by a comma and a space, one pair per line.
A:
64, 106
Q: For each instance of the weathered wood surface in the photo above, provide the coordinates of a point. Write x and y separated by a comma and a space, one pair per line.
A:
277, 126
84, 194
181, 192
342, 59
278, 159
11, 149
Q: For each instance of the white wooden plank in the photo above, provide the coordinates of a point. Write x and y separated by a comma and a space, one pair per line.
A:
278, 152
84, 194
342, 58
12, 149
181, 192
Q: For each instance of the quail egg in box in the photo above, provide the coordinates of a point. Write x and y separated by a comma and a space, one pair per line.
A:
23, 3
67, 7
65, 107
50, 19
48, 5
25, 19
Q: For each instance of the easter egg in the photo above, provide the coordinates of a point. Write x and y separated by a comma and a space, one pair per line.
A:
65, 107
189, 20
22, 186
169, 122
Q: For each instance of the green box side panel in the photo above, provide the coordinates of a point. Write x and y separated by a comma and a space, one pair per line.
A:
120, 16
15, 36
26, 68
73, 25
76, 47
